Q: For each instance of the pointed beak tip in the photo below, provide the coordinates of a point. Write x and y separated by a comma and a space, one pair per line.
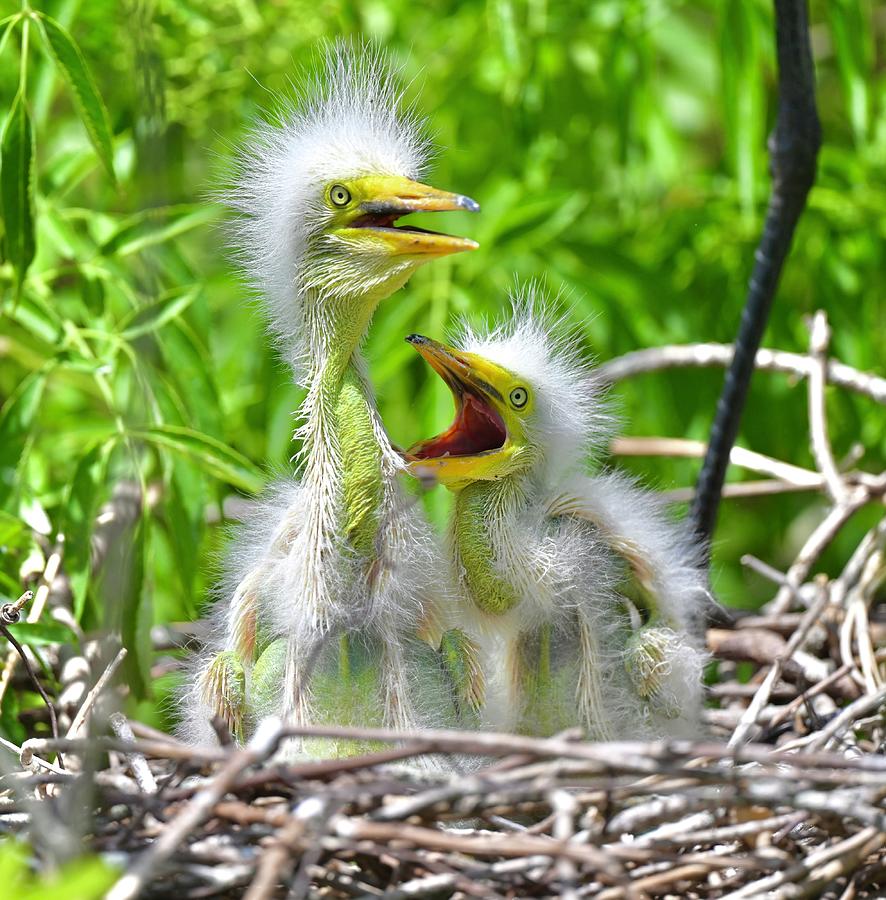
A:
414, 339
468, 204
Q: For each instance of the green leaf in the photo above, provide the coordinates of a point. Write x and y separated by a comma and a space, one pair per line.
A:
17, 188
16, 421
123, 594
86, 879
87, 99
137, 612
155, 315
8, 24
80, 512
12, 531
13, 729
156, 226
210, 454
38, 633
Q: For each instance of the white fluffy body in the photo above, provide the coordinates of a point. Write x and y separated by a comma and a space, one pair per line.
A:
565, 540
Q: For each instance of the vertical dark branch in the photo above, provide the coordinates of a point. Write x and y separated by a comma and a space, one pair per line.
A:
793, 148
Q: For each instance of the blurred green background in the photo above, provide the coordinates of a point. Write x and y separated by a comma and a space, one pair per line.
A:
617, 149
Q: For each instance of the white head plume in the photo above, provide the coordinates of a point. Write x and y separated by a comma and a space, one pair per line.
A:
346, 123
572, 419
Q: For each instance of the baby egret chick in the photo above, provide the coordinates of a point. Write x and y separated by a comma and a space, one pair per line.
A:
326, 586
585, 597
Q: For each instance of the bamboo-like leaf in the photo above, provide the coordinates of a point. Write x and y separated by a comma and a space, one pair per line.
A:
136, 611
17, 187
853, 47
87, 99
7, 25
12, 531
155, 315
210, 454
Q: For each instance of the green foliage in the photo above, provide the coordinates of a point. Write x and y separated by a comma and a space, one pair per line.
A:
618, 151
83, 879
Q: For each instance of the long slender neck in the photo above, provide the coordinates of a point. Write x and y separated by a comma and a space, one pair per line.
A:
344, 456
485, 513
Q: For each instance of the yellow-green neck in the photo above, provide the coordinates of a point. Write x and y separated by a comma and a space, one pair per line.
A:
343, 413
481, 510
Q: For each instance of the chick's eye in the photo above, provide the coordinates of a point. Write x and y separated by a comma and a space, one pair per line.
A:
519, 396
340, 195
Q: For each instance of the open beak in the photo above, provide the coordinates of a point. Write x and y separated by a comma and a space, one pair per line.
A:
392, 197
478, 427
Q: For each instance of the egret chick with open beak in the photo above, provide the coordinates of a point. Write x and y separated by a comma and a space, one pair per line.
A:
586, 598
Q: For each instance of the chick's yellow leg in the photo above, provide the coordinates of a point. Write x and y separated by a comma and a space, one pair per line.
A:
459, 656
648, 660
223, 690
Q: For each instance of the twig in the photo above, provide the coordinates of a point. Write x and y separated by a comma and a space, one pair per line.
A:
673, 356
815, 545
50, 570
863, 839
79, 721
260, 748
819, 338
143, 775
739, 456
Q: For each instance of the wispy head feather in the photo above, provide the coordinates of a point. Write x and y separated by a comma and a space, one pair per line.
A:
347, 122
533, 342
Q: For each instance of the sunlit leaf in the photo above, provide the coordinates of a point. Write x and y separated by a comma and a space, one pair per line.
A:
80, 511
12, 530
40, 633
86, 96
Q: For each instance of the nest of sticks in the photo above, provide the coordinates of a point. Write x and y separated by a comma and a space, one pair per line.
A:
783, 798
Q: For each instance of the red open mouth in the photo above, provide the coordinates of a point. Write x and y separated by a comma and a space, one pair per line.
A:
477, 428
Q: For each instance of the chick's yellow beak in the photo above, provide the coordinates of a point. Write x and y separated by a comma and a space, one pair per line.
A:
382, 200
478, 431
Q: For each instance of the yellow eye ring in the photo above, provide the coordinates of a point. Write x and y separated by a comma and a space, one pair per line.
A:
519, 396
339, 195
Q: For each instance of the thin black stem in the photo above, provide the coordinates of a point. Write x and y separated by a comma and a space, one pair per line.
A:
793, 148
